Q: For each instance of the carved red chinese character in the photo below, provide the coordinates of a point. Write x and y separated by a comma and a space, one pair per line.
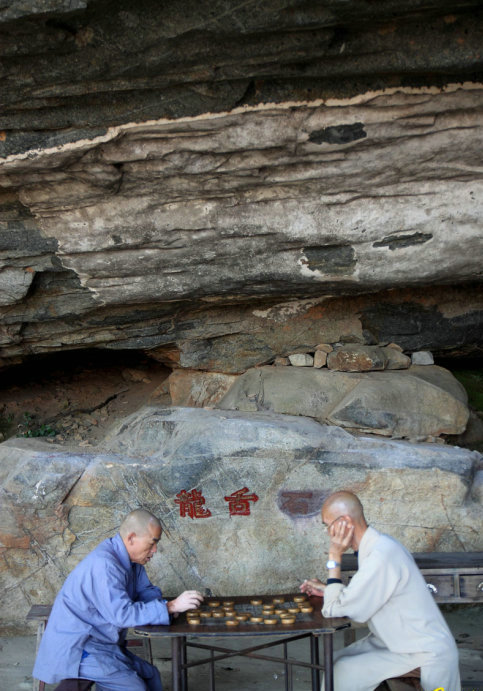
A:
191, 504
239, 502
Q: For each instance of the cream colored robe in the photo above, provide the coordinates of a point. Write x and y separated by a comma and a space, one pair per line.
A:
407, 629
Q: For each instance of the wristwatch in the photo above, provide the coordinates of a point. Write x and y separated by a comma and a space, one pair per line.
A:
331, 564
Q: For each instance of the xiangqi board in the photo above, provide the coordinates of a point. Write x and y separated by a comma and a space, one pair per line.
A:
276, 610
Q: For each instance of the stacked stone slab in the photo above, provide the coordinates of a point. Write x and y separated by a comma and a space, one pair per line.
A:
371, 389
354, 357
420, 403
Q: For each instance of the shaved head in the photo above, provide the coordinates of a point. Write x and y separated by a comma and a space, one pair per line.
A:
345, 504
139, 522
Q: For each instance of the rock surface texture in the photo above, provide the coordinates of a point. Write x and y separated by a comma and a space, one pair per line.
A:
73, 68
223, 186
354, 358
198, 389
58, 504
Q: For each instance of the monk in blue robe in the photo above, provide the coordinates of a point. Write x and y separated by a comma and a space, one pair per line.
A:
108, 592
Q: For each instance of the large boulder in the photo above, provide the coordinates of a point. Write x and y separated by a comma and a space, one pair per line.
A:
56, 505
416, 403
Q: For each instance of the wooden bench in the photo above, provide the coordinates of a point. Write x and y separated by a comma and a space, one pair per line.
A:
40, 614
74, 685
452, 577
406, 682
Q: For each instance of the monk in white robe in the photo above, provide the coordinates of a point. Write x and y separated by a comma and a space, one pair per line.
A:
389, 593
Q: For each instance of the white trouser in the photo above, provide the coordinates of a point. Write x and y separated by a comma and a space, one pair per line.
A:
363, 665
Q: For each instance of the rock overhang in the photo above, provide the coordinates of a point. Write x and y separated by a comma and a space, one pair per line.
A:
240, 207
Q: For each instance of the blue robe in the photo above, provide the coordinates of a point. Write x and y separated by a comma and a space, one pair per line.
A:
104, 595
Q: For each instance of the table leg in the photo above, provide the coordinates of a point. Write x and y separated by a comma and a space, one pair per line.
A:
175, 662
183, 670
39, 685
287, 667
212, 671
290, 677
314, 659
328, 662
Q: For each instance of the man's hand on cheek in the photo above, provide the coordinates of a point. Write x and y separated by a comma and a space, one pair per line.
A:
341, 534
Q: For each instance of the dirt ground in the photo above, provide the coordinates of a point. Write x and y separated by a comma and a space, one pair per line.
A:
74, 399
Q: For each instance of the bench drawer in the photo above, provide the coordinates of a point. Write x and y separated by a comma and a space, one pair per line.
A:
441, 586
471, 586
